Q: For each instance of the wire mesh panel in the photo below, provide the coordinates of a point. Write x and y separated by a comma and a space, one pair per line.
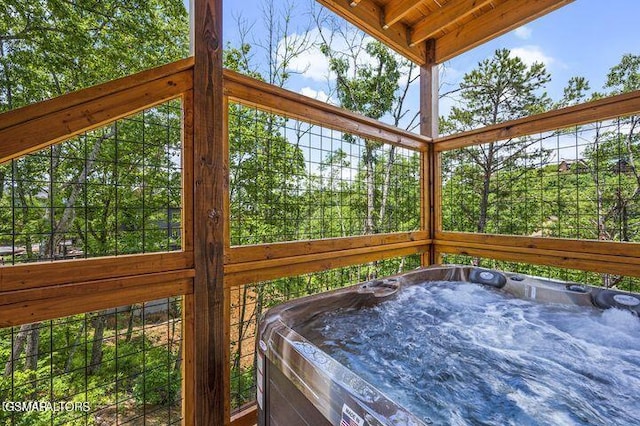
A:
573, 275
581, 182
249, 302
116, 366
114, 190
291, 180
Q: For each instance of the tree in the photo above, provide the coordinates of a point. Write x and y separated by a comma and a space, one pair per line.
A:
500, 89
52, 47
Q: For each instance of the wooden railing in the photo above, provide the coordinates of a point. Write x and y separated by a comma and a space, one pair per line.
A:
40, 291
37, 291
621, 258
46, 290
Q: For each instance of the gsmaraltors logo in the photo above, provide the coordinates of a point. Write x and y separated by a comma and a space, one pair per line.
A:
26, 406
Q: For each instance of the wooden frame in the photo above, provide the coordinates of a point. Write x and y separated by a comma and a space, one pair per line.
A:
211, 320
368, 16
47, 290
249, 91
208, 268
601, 109
429, 98
598, 256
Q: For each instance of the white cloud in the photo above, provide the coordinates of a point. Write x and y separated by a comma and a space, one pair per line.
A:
531, 54
316, 94
523, 32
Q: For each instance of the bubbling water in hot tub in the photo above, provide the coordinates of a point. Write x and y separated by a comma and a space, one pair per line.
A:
459, 353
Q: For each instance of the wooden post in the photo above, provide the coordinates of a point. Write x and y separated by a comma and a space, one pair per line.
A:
211, 366
429, 127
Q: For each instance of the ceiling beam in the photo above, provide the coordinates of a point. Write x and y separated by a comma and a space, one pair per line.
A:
395, 10
368, 17
354, 3
451, 12
502, 19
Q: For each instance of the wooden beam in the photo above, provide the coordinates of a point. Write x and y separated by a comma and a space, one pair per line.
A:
66, 117
211, 364
448, 14
429, 89
187, 172
35, 275
368, 17
594, 248
236, 268
589, 112
253, 253
395, 10
354, 3
246, 417
561, 259
504, 17
249, 91
40, 304
286, 267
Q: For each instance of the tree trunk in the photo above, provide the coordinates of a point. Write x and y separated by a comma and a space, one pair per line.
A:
369, 182
386, 184
16, 349
129, 309
69, 212
74, 348
33, 343
2, 176
98, 323
486, 190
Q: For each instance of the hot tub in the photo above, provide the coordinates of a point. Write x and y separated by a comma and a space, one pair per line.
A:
452, 345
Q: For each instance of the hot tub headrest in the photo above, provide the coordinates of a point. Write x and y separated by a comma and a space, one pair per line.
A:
487, 277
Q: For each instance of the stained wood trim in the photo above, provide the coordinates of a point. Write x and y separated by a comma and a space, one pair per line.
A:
448, 14
40, 109
259, 252
37, 275
316, 257
246, 417
188, 356
395, 10
562, 259
39, 304
249, 91
503, 18
429, 88
279, 268
368, 16
66, 122
595, 249
187, 172
602, 109
211, 361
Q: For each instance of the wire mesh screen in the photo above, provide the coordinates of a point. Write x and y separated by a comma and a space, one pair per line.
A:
291, 180
249, 302
582, 182
117, 366
573, 275
114, 190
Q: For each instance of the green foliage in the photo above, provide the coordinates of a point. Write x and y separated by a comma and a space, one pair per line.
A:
160, 383
51, 47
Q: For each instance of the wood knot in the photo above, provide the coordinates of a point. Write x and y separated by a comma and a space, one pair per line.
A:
213, 214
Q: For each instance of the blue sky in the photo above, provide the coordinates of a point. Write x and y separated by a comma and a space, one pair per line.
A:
586, 37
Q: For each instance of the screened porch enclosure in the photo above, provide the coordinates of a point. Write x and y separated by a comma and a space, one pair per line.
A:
148, 222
